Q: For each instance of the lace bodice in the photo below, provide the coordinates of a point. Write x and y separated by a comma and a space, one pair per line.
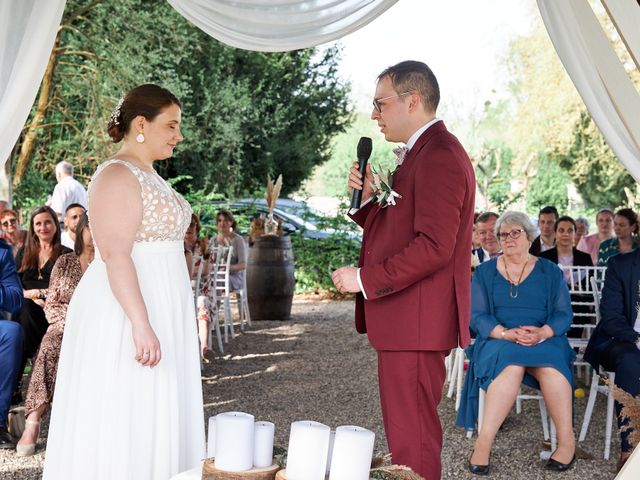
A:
166, 214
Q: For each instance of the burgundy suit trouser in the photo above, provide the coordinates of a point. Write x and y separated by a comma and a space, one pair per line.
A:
411, 384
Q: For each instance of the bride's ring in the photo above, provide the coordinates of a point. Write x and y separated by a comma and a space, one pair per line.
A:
145, 353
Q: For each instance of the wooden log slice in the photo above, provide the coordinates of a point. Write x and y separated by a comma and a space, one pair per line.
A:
210, 472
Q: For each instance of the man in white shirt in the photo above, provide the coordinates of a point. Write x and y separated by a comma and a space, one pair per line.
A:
67, 191
71, 218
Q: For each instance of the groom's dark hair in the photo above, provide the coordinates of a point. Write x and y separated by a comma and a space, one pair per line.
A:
412, 76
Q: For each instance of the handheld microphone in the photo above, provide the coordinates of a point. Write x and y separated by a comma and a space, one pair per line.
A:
364, 152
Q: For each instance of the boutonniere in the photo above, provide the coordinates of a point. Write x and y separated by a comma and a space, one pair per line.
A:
383, 190
475, 261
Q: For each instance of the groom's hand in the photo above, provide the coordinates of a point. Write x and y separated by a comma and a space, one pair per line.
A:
356, 181
346, 280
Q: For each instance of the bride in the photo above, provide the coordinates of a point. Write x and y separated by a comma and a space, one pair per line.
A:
128, 399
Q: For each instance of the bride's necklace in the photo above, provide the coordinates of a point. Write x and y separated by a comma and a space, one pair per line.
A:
514, 287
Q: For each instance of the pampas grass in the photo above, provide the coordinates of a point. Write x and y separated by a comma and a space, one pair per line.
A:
273, 192
630, 409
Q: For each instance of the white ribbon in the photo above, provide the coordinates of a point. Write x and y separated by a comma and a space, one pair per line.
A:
391, 199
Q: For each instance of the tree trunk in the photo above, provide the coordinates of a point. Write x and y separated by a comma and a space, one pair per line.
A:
29, 141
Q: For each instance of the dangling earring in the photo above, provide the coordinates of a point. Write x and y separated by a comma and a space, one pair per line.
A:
140, 138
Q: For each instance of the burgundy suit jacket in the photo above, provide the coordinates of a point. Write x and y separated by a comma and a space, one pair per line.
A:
415, 257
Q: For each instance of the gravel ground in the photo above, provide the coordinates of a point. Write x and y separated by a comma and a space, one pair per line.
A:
316, 367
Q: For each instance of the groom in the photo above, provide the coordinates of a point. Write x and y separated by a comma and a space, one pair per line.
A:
413, 279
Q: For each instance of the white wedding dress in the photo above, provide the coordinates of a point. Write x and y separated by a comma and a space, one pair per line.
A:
113, 419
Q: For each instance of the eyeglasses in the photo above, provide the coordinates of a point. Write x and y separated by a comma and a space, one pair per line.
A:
378, 106
515, 234
11, 221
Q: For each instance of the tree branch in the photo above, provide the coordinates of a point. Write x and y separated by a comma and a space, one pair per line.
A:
82, 10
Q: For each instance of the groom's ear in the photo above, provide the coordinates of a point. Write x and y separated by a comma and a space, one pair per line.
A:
414, 102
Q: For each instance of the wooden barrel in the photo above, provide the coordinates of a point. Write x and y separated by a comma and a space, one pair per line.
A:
270, 278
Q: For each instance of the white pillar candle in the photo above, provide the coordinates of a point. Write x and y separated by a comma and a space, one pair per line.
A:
352, 453
211, 438
332, 439
263, 444
234, 441
307, 452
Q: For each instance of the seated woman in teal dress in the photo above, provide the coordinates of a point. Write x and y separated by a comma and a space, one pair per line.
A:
520, 312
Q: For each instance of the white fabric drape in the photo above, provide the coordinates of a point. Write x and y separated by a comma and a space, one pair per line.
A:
279, 25
27, 31
626, 17
596, 71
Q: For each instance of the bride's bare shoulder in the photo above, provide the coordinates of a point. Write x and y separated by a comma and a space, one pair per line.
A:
114, 176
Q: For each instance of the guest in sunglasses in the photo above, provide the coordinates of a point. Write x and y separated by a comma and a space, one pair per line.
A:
13, 233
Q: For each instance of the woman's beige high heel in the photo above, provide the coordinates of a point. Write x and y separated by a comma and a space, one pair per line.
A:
29, 449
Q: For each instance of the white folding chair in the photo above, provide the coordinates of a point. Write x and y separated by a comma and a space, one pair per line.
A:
243, 303
201, 301
583, 294
219, 291
196, 282
455, 373
548, 427
596, 388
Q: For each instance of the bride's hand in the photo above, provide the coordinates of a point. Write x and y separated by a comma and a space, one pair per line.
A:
147, 345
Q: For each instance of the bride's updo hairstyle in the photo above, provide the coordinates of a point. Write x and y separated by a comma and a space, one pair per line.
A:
147, 100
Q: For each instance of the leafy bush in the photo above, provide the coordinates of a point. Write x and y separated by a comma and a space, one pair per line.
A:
317, 259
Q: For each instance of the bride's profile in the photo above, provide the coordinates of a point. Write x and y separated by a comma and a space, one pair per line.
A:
128, 399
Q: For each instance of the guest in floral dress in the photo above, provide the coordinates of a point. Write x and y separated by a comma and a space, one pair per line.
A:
65, 276
34, 262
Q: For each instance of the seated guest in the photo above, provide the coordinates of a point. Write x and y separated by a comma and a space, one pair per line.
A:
591, 243
565, 254
520, 312
71, 218
489, 246
65, 276
615, 342
582, 228
625, 226
547, 218
227, 236
35, 261
13, 234
194, 243
195, 246
10, 339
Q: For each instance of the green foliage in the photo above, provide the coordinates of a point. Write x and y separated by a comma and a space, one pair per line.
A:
245, 114
33, 192
548, 187
599, 176
330, 178
317, 259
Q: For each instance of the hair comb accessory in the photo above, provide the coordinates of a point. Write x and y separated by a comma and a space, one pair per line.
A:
115, 115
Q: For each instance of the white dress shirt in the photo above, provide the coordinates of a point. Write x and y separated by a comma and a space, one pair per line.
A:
68, 191
66, 240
